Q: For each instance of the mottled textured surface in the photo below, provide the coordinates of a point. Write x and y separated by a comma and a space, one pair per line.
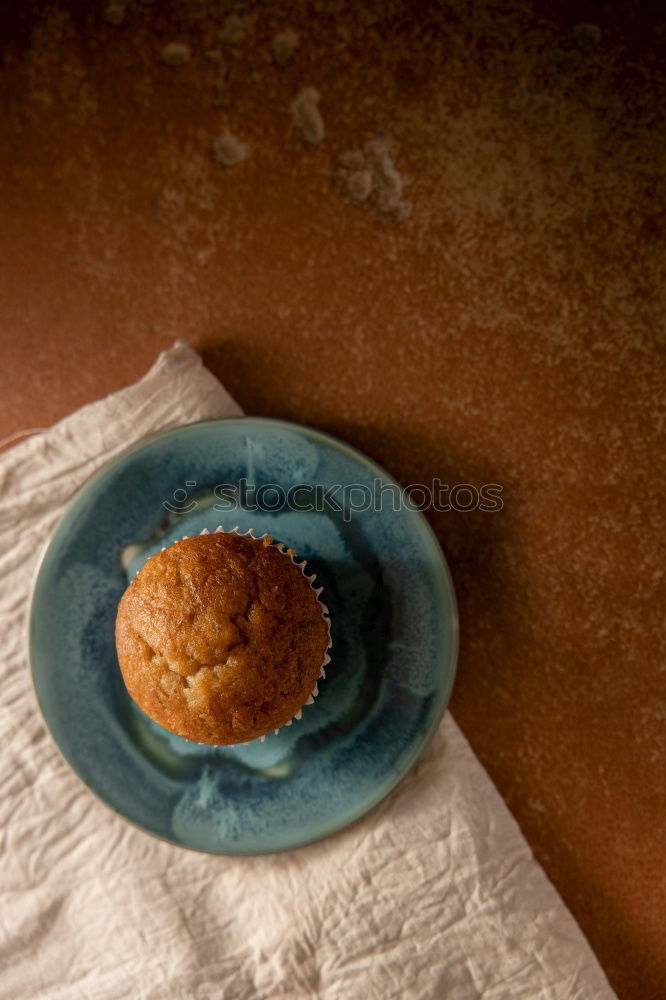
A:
507, 331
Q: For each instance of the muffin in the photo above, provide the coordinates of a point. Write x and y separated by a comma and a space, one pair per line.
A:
221, 638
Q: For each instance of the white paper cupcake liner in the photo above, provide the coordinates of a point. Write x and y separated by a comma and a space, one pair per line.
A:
282, 548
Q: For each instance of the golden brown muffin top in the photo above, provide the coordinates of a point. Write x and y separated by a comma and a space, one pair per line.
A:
220, 638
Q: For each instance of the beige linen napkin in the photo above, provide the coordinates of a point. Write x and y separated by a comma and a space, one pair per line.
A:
434, 894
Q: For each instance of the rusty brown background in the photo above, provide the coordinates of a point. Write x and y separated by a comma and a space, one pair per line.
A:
509, 331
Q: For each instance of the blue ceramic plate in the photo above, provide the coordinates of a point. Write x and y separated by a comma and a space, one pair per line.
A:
394, 631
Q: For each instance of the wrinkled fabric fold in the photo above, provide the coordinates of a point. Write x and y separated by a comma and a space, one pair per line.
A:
434, 894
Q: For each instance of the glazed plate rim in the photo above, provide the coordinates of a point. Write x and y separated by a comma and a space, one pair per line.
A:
449, 658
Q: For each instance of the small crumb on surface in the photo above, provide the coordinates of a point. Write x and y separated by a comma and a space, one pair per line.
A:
233, 30
359, 184
352, 159
175, 54
228, 150
369, 174
285, 45
386, 178
114, 12
307, 117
